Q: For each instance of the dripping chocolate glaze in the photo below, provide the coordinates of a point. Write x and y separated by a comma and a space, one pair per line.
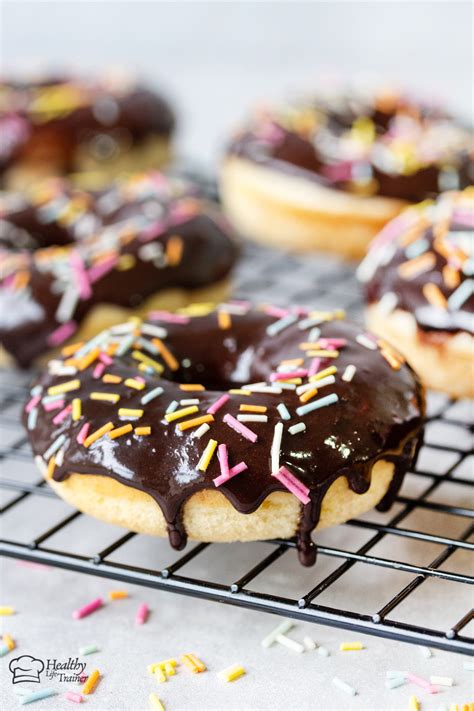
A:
300, 154
28, 317
378, 416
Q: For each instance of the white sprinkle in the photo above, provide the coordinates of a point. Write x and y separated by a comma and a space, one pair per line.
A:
67, 305
263, 388
283, 627
283, 411
202, 430
252, 418
309, 323
281, 324
309, 644
276, 446
442, 680
156, 392
313, 335
287, 386
151, 330
32, 418
366, 342
296, 429
329, 380
343, 686
126, 344
190, 401
323, 652
461, 295
349, 373
54, 447
41, 464
426, 652
388, 302
171, 407
60, 458
395, 682
122, 328
289, 643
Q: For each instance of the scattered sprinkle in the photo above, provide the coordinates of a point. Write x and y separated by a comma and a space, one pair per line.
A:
282, 628
350, 646
91, 682
343, 686
240, 428
349, 373
117, 594
142, 614
88, 649
87, 609
37, 696
292, 484
231, 673
289, 643
296, 429
192, 663
207, 455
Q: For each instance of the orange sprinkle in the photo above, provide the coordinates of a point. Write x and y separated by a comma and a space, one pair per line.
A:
145, 430
193, 663
166, 354
91, 682
119, 431
9, 641
414, 232
89, 358
117, 594
21, 279
451, 277
195, 422
51, 467
391, 358
253, 408
434, 295
418, 265
308, 395
98, 433
192, 387
70, 350
224, 320
293, 361
174, 250
109, 378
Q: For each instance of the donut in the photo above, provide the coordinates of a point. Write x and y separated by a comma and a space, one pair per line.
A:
329, 173
94, 129
73, 262
419, 284
231, 424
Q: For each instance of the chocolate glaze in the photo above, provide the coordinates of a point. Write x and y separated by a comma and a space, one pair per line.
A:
385, 275
378, 416
74, 112
314, 151
28, 316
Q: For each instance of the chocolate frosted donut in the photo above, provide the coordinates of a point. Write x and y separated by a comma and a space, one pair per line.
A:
300, 173
234, 424
419, 285
73, 262
96, 129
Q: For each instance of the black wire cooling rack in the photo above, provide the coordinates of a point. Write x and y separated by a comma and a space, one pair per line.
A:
422, 542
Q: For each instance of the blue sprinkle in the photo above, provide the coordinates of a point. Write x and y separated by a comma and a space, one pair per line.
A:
415, 249
37, 695
283, 410
322, 402
151, 395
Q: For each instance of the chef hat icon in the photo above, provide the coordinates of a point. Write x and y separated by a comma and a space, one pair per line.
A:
26, 668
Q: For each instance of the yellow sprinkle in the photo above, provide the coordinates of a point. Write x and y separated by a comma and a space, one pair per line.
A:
169, 669
414, 704
88, 687
193, 663
322, 354
136, 384
253, 408
351, 646
231, 673
191, 387
195, 422
142, 431
146, 360
184, 412
174, 250
434, 295
6, 611
64, 387
109, 378
117, 594
128, 412
160, 675
308, 395
166, 354
119, 431
76, 409
70, 350
207, 455
199, 309
323, 373
9, 641
125, 262
224, 320
155, 702
292, 381
51, 467
240, 391
106, 397
98, 433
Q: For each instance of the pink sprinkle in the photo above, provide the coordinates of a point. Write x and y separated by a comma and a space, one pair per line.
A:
240, 428
217, 404
288, 376
80, 275
32, 403
140, 379
314, 367
271, 133
180, 213
61, 416
464, 217
241, 302
87, 609
219, 480
98, 370
104, 358
71, 696
168, 317
152, 231
293, 484
61, 334
83, 432
392, 230
276, 311
332, 343
142, 614
424, 683
223, 459
338, 171
99, 270
53, 405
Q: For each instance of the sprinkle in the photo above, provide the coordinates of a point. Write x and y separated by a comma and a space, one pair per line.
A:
283, 411
309, 644
4, 649
98, 371
320, 383
109, 378
168, 317
239, 391
223, 460
292, 484
40, 463
118, 594
308, 394
349, 373
190, 401
89, 649
392, 674
231, 673
323, 652
224, 320
156, 392
461, 295
138, 355
105, 397
252, 418
61, 416
160, 675
332, 370
135, 384
253, 408
192, 663
142, 431
33, 403
314, 334
288, 375
442, 680
419, 681
321, 402
240, 428
155, 702
91, 682
296, 429
451, 277
207, 455
64, 387
323, 353
223, 479
142, 614
72, 696
289, 643
119, 431
76, 409
87, 609
309, 323
426, 652
388, 302
5, 610
366, 342
191, 387
53, 404
280, 325
129, 412
414, 704
217, 404
61, 334
172, 407
57, 444
174, 250
83, 432
416, 266
97, 434
282, 628
417, 248
344, 686
434, 295
350, 646
202, 430
184, 412
8, 641
37, 695
51, 467
392, 358
395, 682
